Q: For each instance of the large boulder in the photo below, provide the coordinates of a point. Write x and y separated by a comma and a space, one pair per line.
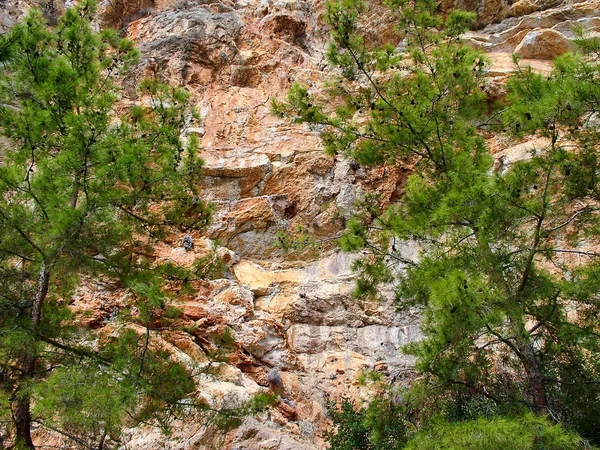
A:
543, 44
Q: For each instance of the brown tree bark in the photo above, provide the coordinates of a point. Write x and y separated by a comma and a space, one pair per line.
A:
536, 381
22, 414
21, 408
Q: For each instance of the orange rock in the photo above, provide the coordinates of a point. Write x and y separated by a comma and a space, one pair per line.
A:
288, 411
194, 311
543, 44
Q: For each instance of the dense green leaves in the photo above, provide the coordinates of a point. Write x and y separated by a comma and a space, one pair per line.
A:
506, 276
87, 186
349, 431
383, 425
521, 433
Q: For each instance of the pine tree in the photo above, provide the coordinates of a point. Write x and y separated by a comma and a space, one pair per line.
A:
87, 185
507, 278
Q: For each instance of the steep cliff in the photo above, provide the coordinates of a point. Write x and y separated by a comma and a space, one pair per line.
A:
291, 317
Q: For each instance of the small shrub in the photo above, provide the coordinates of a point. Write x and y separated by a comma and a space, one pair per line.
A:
382, 425
171, 312
367, 376
528, 432
349, 432
209, 267
262, 401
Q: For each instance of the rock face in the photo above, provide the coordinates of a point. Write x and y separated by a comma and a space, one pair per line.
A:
294, 328
12, 10
497, 10
297, 330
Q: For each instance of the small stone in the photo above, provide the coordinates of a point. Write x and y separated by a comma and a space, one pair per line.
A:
188, 243
274, 378
113, 315
288, 411
307, 428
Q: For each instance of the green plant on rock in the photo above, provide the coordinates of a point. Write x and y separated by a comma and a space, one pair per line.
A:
86, 187
349, 431
527, 432
380, 425
297, 241
230, 418
370, 376
506, 280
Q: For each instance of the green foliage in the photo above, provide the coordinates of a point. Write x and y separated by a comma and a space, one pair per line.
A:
83, 398
209, 267
387, 419
84, 193
527, 432
297, 241
367, 376
349, 432
89, 395
506, 279
381, 425
398, 105
389, 422
172, 312
261, 401
230, 418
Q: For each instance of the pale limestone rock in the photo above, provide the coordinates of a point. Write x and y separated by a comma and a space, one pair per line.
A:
12, 11
248, 167
257, 278
255, 435
520, 152
543, 44
503, 35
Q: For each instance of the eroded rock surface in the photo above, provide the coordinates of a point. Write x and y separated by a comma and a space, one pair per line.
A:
292, 316
297, 316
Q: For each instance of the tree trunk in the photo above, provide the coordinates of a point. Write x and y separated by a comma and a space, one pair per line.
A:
22, 418
22, 403
534, 375
40, 296
522, 345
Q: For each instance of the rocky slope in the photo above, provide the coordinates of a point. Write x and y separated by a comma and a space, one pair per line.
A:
291, 318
